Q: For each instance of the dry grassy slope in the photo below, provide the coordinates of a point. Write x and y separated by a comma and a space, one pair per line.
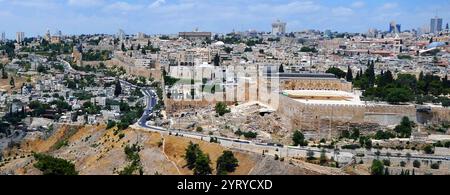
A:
4, 83
175, 149
95, 150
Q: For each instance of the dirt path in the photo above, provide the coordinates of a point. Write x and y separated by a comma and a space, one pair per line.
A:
167, 157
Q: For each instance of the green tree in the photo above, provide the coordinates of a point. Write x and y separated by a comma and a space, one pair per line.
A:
281, 69
122, 47
345, 134
118, 88
355, 134
323, 157
221, 108
4, 73
416, 164
11, 82
299, 139
349, 75
226, 163
310, 155
191, 154
377, 168
370, 73
336, 71
398, 95
404, 130
202, 165
386, 162
110, 124
216, 60
54, 166
428, 149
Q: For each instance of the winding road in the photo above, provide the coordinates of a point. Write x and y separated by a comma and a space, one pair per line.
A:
239, 144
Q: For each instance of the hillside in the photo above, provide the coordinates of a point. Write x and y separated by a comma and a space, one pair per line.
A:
97, 151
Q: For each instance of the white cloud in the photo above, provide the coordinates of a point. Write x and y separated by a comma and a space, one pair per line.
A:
289, 8
342, 11
85, 3
358, 4
46, 4
387, 6
157, 3
123, 7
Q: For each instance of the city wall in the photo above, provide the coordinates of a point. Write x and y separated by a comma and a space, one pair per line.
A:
134, 70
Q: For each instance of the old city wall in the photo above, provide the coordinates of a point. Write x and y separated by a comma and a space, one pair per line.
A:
310, 116
440, 114
388, 115
316, 84
173, 105
137, 71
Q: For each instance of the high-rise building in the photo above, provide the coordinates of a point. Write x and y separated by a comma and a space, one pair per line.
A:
394, 27
435, 25
278, 28
140, 35
121, 34
48, 36
20, 37
372, 32
398, 28
446, 27
3, 38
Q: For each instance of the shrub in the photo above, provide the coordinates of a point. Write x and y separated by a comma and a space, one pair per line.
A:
402, 163
54, 166
310, 155
377, 168
434, 166
386, 162
221, 108
110, 124
226, 163
299, 139
199, 129
121, 135
416, 164
351, 146
428, 149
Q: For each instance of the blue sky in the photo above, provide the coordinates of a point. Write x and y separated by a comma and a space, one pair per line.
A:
170, 16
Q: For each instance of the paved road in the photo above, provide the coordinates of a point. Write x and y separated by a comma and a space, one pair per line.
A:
239, 144
271, 149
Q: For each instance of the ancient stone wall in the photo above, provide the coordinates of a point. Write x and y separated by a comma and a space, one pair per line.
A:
440, 114
316, 84
137, 71
310, 116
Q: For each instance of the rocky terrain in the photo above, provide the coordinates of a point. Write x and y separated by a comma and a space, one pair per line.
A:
97, 151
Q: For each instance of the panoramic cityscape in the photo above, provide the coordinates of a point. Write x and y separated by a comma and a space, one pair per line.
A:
202, 87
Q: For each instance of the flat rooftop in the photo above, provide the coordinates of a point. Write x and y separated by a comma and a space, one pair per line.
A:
324, 97
306, 75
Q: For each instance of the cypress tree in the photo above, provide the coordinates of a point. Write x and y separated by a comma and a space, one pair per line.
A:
118, 89
349, 76
281, 69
